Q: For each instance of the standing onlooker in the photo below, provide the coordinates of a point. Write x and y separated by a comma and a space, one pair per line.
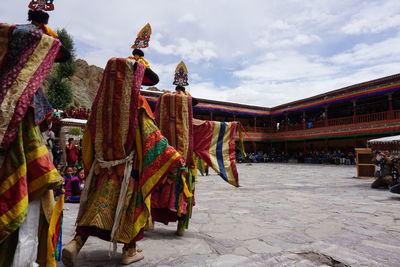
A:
79, 163
72, 152
51, 137
57, 153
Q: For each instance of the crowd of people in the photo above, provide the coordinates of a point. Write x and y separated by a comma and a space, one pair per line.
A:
73, 184
337, 157
70, 169
74, 113
140, 170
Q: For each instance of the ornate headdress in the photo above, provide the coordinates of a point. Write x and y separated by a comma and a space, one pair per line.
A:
38, 16
143, 37
181, 75
44, 5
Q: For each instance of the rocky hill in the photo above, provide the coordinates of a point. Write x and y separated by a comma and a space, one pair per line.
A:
86, 82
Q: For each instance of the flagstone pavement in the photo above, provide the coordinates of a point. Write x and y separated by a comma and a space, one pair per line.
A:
282, 215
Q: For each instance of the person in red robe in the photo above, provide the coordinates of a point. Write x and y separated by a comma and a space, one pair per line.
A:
72, 152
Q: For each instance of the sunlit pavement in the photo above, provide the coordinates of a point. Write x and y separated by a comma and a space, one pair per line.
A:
282, 215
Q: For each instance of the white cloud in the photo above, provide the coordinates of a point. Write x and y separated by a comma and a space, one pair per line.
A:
196, 51
193, 51
187, 18
285, 66
195, 76
263, 52
270, 94
295, 40
374, 17
369, 54
166, 74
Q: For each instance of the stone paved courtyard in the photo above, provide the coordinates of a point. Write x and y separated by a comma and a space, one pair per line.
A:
282, 215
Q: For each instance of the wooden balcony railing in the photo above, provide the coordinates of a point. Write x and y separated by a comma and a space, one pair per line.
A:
259, 129
380, 116
396, 114
358, 119
340, 121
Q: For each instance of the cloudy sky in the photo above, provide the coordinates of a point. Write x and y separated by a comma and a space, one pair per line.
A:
254, 52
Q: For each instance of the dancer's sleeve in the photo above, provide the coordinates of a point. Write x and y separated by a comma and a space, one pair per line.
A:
87, 150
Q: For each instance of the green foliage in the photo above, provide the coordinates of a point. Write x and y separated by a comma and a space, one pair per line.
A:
67, 69
66, 40
75, 131
60, 91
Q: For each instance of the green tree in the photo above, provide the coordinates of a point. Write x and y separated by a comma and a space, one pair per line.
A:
60, 91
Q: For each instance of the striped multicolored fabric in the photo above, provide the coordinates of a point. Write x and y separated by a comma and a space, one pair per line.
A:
121, 123
27, 172
214, 142
26, 58
114, 115
153, 159
174, 117
54, 235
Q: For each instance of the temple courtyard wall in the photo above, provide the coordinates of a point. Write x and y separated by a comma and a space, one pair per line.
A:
282, 215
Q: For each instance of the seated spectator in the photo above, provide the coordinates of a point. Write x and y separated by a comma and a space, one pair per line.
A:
74, 187
265, 157
351, 158
250, 157
239, 157
61, 170
69, 173
257, 158
384, 178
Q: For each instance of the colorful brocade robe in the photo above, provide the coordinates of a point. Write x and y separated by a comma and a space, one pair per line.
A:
27, 173
26, 58
211, 141
121, 135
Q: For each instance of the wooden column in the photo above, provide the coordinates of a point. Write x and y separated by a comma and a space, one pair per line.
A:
326, 115
211, 116
286, 147
286, 122
303, 121
390, 107
255, 123
354, 110
63, 136
234, 117
304, 147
